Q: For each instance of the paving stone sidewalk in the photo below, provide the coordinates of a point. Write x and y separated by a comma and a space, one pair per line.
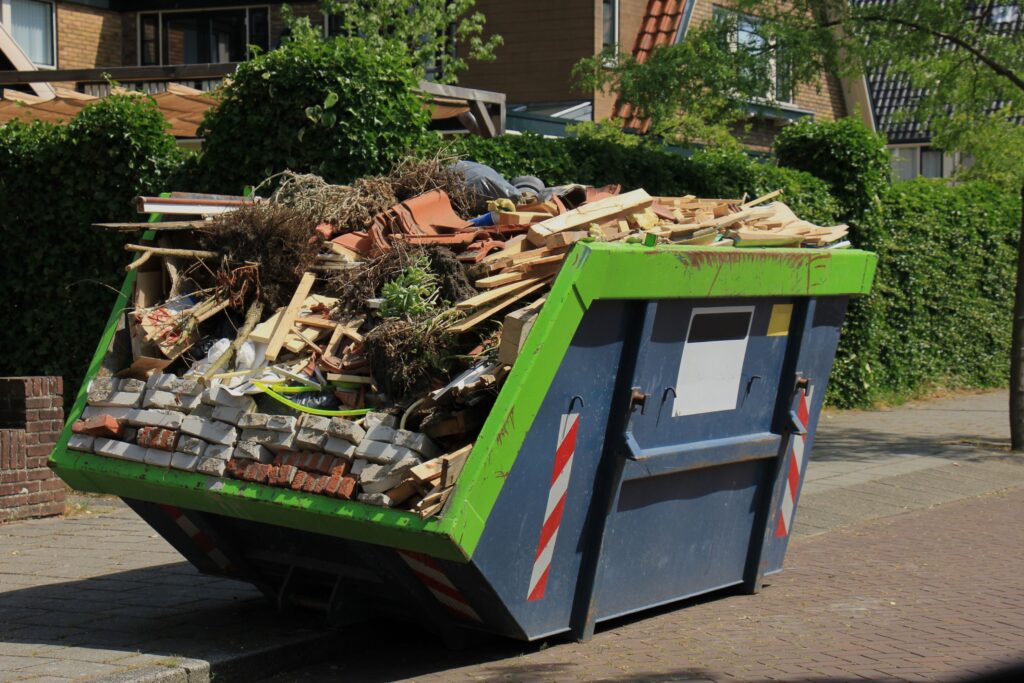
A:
101, 595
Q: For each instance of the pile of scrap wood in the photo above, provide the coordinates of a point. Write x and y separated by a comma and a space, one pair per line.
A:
209, 373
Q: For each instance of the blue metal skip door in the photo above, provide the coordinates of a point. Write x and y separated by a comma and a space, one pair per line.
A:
701, 456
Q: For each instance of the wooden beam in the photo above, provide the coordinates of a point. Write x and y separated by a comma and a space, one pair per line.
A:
284, 324
482, 315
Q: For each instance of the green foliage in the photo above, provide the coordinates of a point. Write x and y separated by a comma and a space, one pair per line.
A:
940, 311
412, 295
61, 274
696, 90
341, 109
423, 27
845, 153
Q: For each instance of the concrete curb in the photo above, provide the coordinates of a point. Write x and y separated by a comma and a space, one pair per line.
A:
244, 666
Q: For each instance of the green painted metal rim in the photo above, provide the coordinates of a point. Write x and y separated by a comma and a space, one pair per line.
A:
593, 271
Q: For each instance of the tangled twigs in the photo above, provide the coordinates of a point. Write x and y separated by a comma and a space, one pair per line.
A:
238, 282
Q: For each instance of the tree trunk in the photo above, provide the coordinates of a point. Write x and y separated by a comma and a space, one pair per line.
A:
1017, 348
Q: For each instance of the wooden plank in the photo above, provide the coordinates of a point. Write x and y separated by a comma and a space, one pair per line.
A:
512, 246
452, 464
355, 379
427, 471
537, 263
317, 321
566, 238
156, 225
499, 280
284, 324
486, 313
493, 294
760, 200
603, 210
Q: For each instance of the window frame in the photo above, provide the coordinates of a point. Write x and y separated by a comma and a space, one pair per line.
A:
160, 27
7, 18
773, 62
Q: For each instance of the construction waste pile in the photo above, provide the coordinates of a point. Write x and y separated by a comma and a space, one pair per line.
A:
349, 341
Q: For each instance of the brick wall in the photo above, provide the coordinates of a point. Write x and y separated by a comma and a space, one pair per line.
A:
543, 41
31, 417
87, 37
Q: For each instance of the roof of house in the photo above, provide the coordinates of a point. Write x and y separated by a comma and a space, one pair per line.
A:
660, 26
892, 93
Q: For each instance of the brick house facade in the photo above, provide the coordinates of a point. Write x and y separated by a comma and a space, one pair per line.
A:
31, 417
542, 43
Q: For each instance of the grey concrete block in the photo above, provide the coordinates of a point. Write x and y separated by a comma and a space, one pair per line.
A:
217, 395
381, 432
227, 414
81, 442
184, 461
134, 386
168, 419
158, 458
104, 384
218, 451
418, 442
340, 428
253, 421
312, 440
318, 422
116, 399
165, 400
379, 499
204, 411
186, 387
191, 445
160, 380
119, 449
282, 423
213, 466
370, 420
251, 450
378, 452
273, 440
210, 431
383, 483
339, 447
357, 467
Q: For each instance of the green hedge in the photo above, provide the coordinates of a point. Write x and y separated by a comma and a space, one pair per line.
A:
60, 274
941, 309
338, 108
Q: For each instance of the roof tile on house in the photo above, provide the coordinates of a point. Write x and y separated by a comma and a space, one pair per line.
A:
659, 27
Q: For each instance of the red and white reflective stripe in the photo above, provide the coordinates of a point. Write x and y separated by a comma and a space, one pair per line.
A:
430, 574
557, 492
796, 466
198, 537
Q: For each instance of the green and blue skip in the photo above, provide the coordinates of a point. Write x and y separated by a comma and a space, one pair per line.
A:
648, 446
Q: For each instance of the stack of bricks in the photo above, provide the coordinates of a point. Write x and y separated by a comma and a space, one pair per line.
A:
31, 417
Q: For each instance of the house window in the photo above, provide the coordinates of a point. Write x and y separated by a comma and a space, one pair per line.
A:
32, 28
904, 163
610, 25
931, 162
203, 36
746, 35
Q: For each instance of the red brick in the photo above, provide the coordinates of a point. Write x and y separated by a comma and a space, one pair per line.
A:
35, 427
52, 414
347, 488
38, 403
340, 466
312, 481
99, 425
298, 481
333, 483
157, 437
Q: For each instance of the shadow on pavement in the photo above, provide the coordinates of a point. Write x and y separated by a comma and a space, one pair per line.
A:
860, 445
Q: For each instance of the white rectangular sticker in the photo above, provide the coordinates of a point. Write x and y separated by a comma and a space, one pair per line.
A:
712, 363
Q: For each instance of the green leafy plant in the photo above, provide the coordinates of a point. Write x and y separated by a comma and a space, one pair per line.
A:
414, 294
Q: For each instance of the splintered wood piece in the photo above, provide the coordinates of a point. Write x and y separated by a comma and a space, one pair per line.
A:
533, 264
402, 492
512, 246
452, 464
284, 324
494, 294
317, 321
762, 199
472, 321
564, 239
427, 471
499, 280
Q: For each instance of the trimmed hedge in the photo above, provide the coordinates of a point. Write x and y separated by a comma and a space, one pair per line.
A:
941, 309
61, 274
341, 109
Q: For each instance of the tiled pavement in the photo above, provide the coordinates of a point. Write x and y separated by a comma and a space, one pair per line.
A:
88, 597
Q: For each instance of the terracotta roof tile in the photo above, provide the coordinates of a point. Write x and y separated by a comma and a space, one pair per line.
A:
659, 27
